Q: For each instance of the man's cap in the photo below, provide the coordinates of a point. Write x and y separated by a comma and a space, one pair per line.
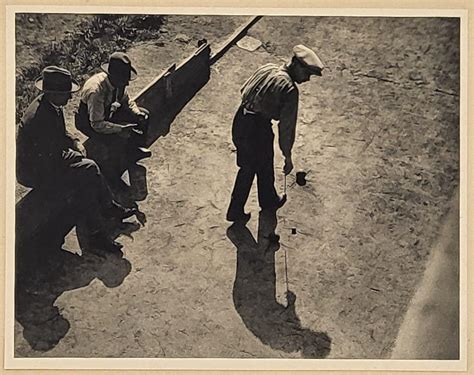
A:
308, 59
54, 79
120, 66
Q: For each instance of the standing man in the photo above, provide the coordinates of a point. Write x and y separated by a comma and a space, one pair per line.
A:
269, 94
49, 158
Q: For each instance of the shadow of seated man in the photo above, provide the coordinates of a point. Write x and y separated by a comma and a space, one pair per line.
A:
254, 294
116, 126
65, 183
43, 324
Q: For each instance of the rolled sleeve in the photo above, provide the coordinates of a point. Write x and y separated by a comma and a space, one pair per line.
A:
133, 107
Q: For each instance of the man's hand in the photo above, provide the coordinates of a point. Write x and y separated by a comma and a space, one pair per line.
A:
288, 167
78, 146
71, 155
142, 118
127, 130
129, 126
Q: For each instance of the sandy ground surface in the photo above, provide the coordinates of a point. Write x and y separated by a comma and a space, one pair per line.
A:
432, 317
379, 134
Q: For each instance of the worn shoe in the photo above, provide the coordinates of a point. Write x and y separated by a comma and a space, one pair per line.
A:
279, 204
101, 243
139, 154
238, 218
117, 211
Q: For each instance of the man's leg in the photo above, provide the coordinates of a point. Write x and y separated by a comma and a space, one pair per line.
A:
267, 195
108, 150
243, 136
86, 175
240, 193
96, 205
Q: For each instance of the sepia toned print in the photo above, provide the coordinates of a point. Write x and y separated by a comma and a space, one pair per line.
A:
147, 256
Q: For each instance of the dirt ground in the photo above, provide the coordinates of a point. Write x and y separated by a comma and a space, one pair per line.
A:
378, 134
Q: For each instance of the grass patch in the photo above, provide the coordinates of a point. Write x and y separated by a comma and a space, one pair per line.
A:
83, 50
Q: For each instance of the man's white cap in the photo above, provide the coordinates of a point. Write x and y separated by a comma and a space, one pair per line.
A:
309, 59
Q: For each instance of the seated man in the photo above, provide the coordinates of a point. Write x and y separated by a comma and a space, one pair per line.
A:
49, 158
107, 115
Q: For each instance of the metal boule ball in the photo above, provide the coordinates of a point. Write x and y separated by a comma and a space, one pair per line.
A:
301, 178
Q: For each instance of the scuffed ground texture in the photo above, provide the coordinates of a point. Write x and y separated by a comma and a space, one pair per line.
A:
379, 135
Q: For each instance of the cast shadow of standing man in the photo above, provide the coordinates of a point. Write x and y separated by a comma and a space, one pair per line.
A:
254, 294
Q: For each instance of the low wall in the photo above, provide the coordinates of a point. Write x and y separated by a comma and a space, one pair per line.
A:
169, 93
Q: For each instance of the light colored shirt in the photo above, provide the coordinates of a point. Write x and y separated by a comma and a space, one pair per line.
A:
101, 97
271, 91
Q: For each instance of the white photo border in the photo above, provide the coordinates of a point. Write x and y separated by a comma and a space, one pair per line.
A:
10, 362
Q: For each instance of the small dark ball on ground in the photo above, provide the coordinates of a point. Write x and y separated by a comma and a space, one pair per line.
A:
301, 178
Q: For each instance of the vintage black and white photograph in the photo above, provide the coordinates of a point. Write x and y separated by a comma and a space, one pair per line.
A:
237, 186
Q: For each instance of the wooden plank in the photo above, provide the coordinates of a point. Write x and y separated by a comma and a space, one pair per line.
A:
202, 50
169, 93
235, 37
151, 86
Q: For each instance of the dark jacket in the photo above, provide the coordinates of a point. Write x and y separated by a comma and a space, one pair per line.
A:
41, 142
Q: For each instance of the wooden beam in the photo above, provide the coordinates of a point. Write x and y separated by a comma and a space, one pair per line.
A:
235, 37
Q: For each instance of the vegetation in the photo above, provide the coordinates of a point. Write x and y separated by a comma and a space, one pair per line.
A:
85, 49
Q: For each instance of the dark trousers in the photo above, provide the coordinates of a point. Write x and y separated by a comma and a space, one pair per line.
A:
113, 152
253, 138
93, 196
72, 192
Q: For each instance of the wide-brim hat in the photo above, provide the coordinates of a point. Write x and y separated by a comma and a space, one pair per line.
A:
120, 66
309, 59
56, 80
